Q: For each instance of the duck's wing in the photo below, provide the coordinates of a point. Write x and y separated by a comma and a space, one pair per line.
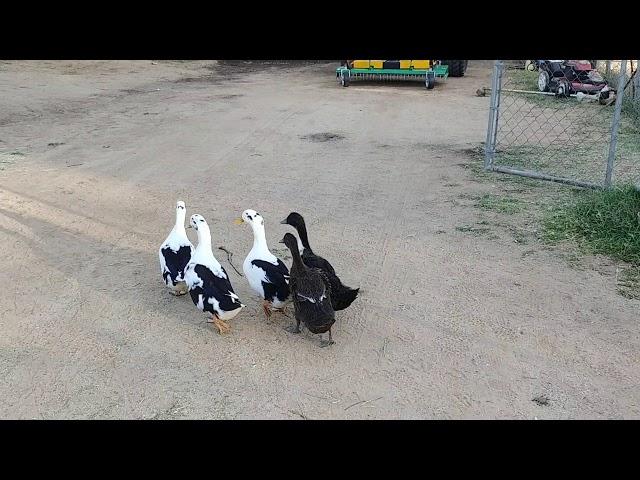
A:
312, 296
276, 279
208, 289
163, 262
341, 295
173, 262
312, 260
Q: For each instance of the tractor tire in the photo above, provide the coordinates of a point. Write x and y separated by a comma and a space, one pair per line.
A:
430, 81
457, 68
344, 80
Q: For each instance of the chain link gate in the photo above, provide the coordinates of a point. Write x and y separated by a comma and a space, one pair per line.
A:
550, 122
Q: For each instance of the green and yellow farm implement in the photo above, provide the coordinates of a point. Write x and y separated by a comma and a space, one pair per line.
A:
427, 71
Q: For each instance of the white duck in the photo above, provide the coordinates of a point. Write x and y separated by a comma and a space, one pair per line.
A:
175, 253
208, 282
267, 275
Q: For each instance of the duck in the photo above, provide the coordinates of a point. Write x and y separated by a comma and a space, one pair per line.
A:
311, 294
341, 295
175, 253
208, 282
267, 275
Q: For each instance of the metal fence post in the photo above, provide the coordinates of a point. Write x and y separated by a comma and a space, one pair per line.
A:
490, 143
496, 118
636, 82
615, 124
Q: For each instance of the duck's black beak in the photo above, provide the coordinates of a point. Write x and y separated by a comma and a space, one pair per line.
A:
284, 222
281, 241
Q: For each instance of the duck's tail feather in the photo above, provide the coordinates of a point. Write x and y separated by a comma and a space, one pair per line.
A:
344, 297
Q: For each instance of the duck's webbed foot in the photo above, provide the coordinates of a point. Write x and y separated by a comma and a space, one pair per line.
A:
223, 327
266, 307
294, 328
326, 343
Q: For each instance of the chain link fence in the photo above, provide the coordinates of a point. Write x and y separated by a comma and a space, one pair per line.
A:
627, 160
574, 122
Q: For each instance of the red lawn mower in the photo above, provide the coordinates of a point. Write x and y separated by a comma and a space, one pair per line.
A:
566, 77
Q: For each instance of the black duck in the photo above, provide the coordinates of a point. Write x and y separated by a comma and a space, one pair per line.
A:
341, 295
310, 291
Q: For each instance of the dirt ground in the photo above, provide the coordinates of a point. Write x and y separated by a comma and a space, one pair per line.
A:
93, 156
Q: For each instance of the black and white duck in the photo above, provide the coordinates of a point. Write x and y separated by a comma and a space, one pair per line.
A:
174, 254
310, 291
267, 275
341, 295
208, 282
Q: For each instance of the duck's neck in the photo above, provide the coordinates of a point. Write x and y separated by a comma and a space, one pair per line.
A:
295, 255
204, 239
180, 217
203, 253
304, 240
259, 238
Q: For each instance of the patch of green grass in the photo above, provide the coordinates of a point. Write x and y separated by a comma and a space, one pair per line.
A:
499, 203
627, 164
526, 157
629, 127
473, 230
522, 80
515, 179
584, 161
628, 139
631, 109
628, 282
519, 235
605, 222
468, 196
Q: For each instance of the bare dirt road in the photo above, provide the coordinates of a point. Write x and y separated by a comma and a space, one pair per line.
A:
93, 156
